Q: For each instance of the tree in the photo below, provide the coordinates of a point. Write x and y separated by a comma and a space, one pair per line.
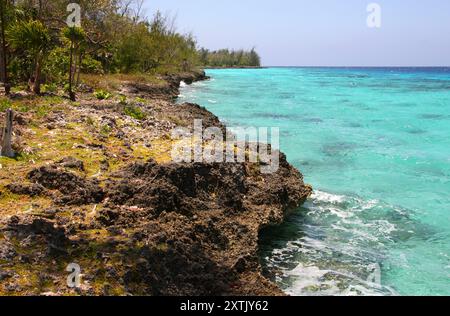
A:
32, 37
75, 36
116, 37
3, 52
229, 58
255, 60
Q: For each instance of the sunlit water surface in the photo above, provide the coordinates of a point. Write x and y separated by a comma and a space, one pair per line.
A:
375, 144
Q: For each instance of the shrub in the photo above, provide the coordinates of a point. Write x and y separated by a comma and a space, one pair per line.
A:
5, 104
122, 99
57, 65
50, 88
134, 112
91, 66
102, 95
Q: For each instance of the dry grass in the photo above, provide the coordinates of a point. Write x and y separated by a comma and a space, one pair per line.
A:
112, 82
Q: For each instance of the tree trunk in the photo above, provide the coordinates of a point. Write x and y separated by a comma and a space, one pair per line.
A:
74, 67
6, 148
80, 61
2, 67
71, 94
37, 75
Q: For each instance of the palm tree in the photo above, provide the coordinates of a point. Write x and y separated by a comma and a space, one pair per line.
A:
75, 36
33, 37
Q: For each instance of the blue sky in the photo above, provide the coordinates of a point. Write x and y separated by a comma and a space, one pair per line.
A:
319, 32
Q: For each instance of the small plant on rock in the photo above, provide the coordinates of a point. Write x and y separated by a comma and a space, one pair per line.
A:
123, 100
102, 95
134, 112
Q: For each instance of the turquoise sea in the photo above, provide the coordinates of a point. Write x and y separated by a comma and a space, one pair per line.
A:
375, 145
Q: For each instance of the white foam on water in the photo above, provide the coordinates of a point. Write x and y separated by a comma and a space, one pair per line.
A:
306, 278
340, 213
327, 197
342, 237
311, 280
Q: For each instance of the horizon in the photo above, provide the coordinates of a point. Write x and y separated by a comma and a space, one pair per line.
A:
328, 33
139, 160
319, 66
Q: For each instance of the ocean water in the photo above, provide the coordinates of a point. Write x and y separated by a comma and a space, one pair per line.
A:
375, 144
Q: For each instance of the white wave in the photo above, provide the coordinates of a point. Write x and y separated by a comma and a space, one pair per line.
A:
311, 280
340, 212
183, 84
342, 236
305, 277
212, 101
327, 197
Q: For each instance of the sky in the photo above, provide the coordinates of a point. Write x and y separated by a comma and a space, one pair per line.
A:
319, 32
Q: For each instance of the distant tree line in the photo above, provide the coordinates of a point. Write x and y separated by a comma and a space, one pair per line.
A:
229, 58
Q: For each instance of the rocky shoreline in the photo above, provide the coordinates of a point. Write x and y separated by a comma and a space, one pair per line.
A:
111, 201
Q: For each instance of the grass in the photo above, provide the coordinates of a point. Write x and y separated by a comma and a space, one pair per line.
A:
49, 88
11, 204
161, 151
140, 100
40, 105
47, 146
5, 104
112, 82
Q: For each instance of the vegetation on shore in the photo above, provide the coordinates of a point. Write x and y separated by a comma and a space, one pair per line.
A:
39, 51
114, 37
229, 58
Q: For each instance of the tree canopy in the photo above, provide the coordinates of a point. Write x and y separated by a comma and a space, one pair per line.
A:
115, 37
230, 58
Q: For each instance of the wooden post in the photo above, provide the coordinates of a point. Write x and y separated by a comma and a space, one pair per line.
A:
6, 149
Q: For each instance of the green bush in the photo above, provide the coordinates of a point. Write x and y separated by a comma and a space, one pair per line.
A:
102, 95
91, 66
57, 65
66, 87
123, 100
115, 41
5, 104
49, 88
134, 112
